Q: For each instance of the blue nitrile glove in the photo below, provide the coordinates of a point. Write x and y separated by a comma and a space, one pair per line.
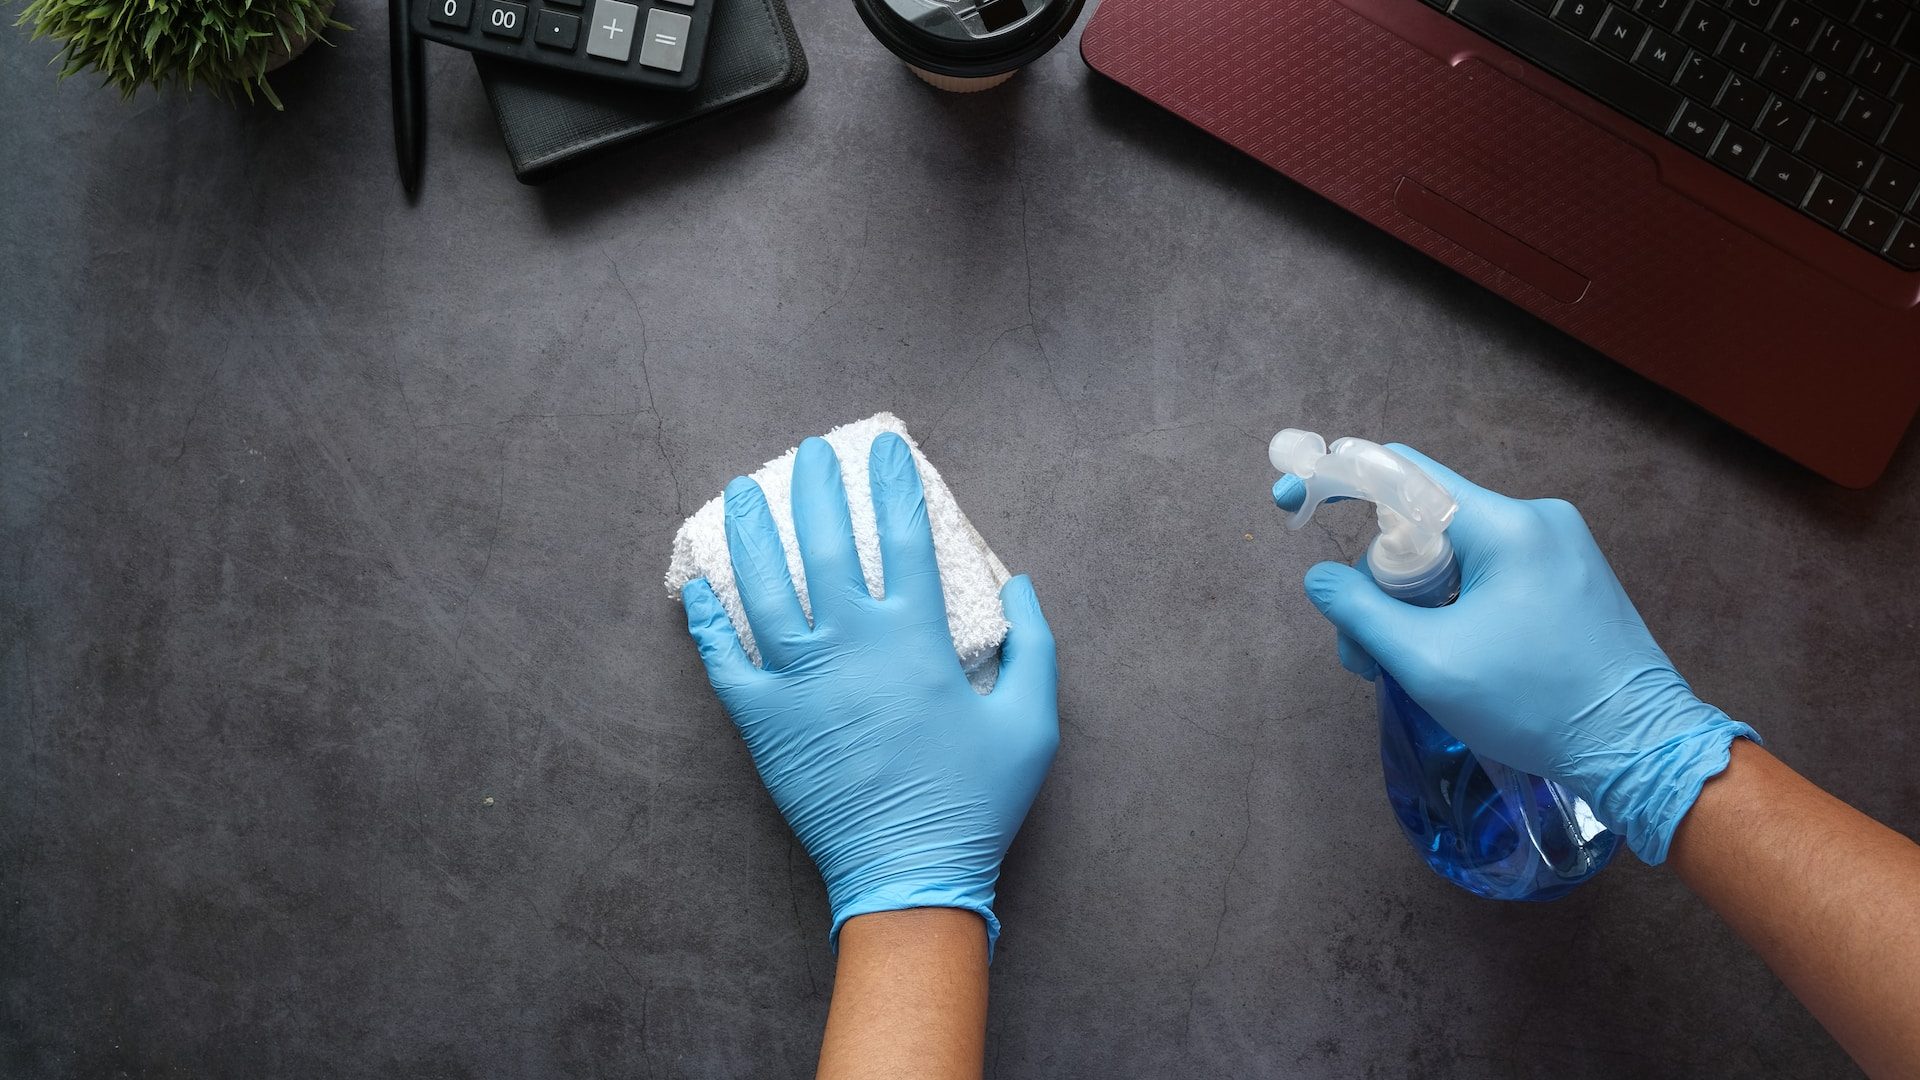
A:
1541, 664
903, 783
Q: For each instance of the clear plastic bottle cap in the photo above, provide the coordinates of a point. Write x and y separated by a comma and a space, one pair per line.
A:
1411, 556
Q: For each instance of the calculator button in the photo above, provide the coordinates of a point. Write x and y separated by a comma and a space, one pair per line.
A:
502, 19
611, 35
566, 3
557, 29
682, 3
450, 12
665, 46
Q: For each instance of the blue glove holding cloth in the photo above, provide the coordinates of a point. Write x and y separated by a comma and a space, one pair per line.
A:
904, 784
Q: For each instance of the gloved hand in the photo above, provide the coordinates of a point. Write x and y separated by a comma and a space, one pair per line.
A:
903, 783
1541, 664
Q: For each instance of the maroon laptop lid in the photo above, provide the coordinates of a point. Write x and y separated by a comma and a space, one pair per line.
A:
1551, 199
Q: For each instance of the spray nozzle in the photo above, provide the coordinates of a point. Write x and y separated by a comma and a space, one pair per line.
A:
1414, 510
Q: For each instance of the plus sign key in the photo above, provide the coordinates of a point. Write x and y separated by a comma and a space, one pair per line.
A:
612, 34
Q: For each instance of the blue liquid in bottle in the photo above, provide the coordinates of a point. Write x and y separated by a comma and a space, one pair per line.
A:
1495, 832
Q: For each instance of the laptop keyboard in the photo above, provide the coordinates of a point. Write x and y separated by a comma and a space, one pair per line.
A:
1815, 102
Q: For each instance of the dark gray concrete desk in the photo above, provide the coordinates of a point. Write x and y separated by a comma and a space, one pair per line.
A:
347, 730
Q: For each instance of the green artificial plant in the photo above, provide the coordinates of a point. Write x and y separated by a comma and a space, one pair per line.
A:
223, 45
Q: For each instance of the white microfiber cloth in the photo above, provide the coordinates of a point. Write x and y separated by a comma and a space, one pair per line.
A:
970, 573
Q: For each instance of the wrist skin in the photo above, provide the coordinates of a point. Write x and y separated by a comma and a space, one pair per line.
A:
1827, 896
909, 997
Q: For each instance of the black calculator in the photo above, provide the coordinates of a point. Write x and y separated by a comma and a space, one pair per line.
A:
651, 43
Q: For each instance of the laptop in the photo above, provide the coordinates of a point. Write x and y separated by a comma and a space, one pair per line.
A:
1723, 196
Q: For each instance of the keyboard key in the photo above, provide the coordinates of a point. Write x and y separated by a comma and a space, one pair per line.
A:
1905, 249
1742, 99
1867, 116
1894, 183
1736, 151
557, 29
1834, 151
1620, 33
455, 13
1784, 175
1878, 69
1826, 93
1872, 224
1704, 25
1756, 12
1664, 14
1696, 128
1908, 40
1745, 49
1903, 138
1796, 25
1837, 47
1577, 62
1908, 91
1839, 9
1701, 78
1661, 55
502, 19
1784, 122
1830, 201
1879, 18
1544, 7
1786, 71
1580, 16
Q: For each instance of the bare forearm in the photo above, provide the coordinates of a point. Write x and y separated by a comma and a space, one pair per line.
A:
909, 997
1827, 896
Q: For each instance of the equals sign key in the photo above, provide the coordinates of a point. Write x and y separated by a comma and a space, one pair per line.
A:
666, 42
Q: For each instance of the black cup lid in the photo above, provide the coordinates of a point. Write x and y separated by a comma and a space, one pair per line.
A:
969, 39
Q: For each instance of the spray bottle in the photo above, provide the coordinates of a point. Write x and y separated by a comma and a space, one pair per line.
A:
1489, 829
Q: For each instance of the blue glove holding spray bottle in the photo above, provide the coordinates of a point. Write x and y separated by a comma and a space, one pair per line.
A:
1541, 663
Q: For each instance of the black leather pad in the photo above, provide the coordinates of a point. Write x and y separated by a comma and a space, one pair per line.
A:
552, 121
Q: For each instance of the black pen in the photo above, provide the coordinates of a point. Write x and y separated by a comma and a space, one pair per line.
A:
409, 96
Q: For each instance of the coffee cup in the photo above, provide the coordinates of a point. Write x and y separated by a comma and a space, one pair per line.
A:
963, 46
